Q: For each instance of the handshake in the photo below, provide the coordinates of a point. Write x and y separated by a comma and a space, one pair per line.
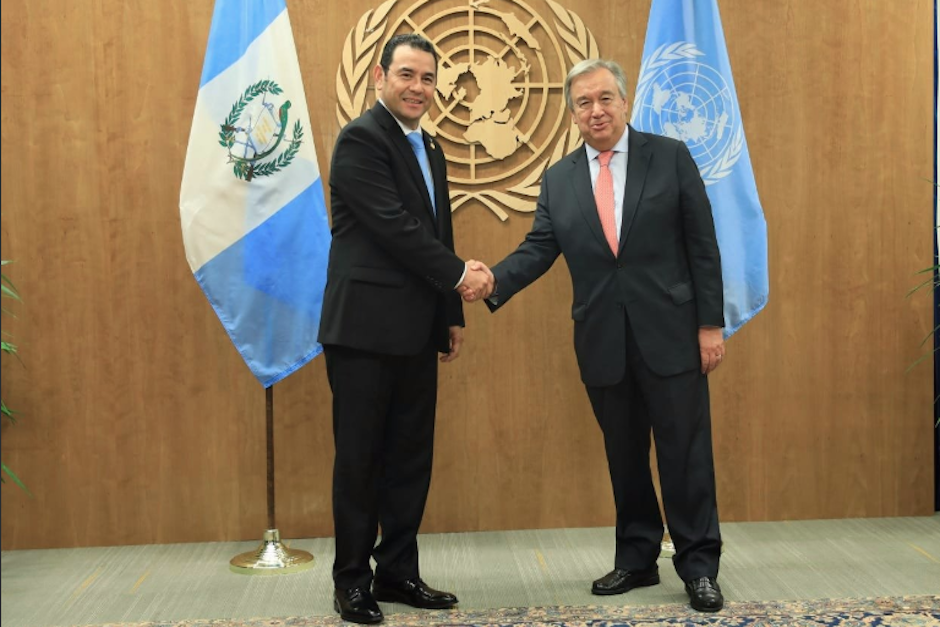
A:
478, 283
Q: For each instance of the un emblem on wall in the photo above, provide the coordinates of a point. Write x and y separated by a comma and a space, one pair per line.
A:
681, 98
499, 109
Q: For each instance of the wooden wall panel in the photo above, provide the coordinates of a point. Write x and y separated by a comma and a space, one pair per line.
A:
139, 423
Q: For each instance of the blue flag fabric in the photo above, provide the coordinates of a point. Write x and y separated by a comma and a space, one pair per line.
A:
685, 91
253, 214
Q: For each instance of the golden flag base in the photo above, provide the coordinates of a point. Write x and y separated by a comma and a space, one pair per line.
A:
666, 547
271, 558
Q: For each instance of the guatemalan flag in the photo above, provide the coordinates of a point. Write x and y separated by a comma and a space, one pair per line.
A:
251, 201
685, 91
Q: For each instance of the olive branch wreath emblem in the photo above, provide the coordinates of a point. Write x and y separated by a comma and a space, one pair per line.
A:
248, 168
352, 87
680, 51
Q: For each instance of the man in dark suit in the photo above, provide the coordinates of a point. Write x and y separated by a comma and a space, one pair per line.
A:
390, 306
629, 212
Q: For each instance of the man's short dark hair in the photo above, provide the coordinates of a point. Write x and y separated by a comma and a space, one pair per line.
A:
407, 39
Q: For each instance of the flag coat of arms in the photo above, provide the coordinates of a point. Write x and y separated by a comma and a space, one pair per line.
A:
251, 201
685, 91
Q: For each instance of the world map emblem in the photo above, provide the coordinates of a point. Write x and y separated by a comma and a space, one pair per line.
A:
682, 98
498, 111
254, 132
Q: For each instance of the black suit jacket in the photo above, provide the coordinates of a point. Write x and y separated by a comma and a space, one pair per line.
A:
666, 276
392, 270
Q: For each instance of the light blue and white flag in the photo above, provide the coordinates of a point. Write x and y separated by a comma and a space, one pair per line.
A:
685, 91
251, 202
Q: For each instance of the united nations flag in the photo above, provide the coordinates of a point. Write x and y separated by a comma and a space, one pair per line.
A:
685, 91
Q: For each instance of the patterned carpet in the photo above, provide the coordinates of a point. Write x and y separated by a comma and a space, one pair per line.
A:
911, 611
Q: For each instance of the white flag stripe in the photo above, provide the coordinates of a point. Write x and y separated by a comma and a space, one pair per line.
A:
208, 195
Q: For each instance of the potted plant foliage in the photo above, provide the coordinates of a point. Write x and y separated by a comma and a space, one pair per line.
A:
9, 348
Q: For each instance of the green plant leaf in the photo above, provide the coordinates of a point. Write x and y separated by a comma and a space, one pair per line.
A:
929, 281
8, 290
10, 293
920, 359
6, 411
5, 279
930, 334
13, 476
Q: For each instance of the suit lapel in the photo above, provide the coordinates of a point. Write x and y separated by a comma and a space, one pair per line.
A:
439, 176
638, 164
407, 153
584, 192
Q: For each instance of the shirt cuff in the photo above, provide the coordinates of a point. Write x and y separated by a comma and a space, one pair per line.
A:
462, 276
494, 297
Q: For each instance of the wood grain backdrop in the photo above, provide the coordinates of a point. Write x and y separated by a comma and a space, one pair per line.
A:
139, 423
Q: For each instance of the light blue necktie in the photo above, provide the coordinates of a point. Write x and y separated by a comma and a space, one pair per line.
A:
417, 144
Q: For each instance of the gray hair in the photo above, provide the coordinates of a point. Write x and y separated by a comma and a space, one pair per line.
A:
589, 65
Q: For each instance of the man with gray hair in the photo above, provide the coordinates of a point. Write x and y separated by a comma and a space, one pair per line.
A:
629, 212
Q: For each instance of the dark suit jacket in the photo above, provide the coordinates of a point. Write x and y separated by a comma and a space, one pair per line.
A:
392, 271
667, 275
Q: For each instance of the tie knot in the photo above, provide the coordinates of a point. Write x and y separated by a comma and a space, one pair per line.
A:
604, 158
416, 141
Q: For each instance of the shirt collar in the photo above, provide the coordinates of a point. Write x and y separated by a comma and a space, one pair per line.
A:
620, 146
404, 128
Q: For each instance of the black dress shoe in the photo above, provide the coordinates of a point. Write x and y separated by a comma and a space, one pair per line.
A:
704, 594
357, 605
619, 580
413, 592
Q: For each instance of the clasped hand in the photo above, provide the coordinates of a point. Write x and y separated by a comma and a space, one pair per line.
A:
478, 282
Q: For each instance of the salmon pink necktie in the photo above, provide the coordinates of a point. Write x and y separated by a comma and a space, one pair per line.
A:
604, 198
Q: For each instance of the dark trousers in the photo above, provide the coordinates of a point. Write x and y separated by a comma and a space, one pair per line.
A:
676, 408
383, 430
